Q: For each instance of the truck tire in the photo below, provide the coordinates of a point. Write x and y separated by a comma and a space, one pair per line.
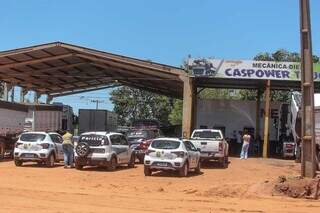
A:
132, 160
113, 164
226, 158
18, 163
147, 171
183, 171
50, 161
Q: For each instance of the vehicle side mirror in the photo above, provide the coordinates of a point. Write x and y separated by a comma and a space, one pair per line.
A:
198, 149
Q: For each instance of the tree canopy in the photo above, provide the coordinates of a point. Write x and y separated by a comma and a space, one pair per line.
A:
131, 104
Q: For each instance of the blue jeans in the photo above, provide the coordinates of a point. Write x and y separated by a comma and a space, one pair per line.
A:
67, 154
244, 151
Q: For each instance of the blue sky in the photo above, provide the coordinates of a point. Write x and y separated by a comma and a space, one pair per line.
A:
164, 31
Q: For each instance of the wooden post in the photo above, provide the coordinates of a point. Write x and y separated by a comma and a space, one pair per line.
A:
308, 154
266, 120
187, 113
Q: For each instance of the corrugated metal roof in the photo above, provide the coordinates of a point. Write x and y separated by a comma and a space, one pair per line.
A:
59, 69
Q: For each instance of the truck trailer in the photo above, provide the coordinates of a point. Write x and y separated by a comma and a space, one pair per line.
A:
16, 118
97, 120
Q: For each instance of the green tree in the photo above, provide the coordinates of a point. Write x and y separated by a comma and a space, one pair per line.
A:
175, 117
131, 104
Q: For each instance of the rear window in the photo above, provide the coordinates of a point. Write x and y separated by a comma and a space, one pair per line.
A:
32, 137
207, 134
165, 144
94, 139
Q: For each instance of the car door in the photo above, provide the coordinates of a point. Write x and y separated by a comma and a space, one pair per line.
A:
196, 154
191, 154
119, 148
125, 146
58, 146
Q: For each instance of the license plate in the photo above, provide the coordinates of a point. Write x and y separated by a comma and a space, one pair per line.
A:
161, 164
29, 155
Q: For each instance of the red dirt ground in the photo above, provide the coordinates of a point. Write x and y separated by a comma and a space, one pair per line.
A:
245, 186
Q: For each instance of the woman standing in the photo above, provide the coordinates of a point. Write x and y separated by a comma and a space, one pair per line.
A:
245, 146
67, 147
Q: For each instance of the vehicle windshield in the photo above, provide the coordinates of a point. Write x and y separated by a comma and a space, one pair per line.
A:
32, 137
165, 144
207, 134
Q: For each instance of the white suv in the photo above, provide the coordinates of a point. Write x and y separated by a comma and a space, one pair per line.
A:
41, 147
171, 154
103, 149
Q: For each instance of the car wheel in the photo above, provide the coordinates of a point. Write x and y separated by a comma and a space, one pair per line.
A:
183, 172
113, 164
147, 171
78, 166
50, 161
198, 168
18, 162
82, 149
132, 160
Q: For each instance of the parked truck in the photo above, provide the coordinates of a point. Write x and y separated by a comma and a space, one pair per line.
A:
97, 120
289, 127
211, 144
16, 118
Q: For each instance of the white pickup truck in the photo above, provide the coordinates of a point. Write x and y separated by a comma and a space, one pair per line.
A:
212, 145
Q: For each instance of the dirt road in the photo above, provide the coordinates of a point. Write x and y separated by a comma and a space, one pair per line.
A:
246, 186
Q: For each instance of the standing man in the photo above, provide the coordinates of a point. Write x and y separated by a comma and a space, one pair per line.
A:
67, 147
245, 146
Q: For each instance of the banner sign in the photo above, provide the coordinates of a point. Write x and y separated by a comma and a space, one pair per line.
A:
245, 69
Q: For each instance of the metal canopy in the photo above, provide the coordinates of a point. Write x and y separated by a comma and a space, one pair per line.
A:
60, 69
250, 84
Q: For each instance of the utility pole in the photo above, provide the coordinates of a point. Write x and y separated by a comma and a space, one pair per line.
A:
308, 160
97, 102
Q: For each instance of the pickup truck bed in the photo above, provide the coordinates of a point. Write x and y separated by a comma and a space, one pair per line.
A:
212, 145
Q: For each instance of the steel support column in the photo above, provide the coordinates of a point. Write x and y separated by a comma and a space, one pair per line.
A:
12, 94
49, 99
7, 88
308, 160
266, 120
258, 106
23, 93
188, 101
36, 97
